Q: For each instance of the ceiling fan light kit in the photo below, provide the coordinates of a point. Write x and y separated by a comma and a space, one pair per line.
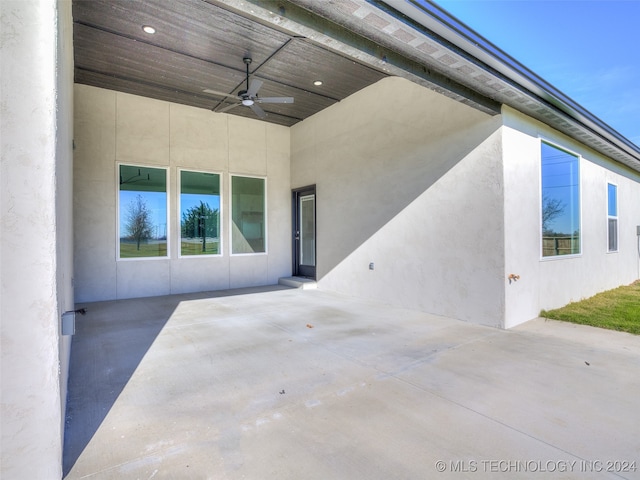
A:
249, 97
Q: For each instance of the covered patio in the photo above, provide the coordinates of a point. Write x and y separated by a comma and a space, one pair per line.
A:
286, 383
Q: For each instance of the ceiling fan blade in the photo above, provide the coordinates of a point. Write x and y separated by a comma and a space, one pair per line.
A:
257, 110
220, 94
274, 99
254, 86
228, 107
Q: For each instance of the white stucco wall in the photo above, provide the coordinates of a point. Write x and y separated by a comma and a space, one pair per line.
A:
553, 282
411, 181
64, 183
35, 266
115, 127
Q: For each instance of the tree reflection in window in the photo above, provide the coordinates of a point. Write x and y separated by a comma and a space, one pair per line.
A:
560, 213
142, 209
199, 213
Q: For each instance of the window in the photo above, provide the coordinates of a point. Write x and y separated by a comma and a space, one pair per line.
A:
612, 217
248, 225
560, 202
199, 213
142, 207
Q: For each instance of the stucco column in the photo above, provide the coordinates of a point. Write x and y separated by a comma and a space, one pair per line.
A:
29, 309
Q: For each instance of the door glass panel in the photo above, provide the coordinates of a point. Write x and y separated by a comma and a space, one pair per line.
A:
308, 230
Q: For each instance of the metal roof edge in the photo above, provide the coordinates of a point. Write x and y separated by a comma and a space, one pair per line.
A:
435, 19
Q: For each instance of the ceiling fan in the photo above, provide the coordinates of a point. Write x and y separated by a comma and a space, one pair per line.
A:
249, 97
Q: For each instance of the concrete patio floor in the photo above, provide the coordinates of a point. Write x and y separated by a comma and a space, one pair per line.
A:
280, 383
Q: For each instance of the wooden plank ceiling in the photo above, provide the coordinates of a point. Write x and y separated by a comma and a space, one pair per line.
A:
199, 46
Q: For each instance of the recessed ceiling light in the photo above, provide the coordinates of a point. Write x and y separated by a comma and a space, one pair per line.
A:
149, 29
317, 83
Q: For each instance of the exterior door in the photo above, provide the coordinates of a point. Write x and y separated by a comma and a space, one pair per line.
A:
304, 232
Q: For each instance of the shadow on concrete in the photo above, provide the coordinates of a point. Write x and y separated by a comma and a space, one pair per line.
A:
110, 342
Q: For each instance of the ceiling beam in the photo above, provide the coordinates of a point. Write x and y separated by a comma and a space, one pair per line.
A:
294, 20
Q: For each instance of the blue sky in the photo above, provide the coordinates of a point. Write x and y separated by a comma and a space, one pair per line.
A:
588, 49
157, 203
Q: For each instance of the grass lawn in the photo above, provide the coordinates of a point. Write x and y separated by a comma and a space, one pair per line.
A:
129, 250
617, 309
191, 248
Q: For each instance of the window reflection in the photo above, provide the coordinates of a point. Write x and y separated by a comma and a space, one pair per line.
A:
560, 202
248, 233
199, 213
142, 204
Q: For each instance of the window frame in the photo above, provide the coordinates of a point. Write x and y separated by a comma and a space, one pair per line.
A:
118, 210
613, 217
230, 221
220, 213
568, 151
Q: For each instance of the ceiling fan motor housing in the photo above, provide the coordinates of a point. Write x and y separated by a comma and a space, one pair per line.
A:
249, 97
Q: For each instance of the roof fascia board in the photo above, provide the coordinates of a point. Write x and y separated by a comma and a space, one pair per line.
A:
435, 19
337, 28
